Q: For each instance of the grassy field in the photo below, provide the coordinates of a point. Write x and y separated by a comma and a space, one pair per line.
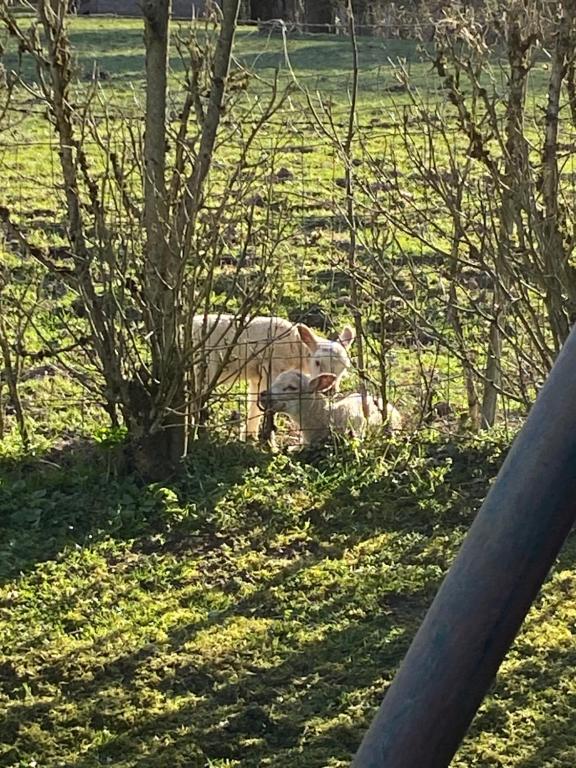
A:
300, 172
252, 612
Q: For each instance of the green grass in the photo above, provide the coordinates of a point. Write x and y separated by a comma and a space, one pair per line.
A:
311, 259
253, 612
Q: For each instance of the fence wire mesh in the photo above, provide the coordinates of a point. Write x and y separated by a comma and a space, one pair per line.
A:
415, 265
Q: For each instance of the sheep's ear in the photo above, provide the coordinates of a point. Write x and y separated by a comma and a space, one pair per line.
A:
322, 383
347, 336
307, 337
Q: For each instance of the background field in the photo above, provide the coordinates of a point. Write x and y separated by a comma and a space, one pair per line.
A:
299, 197
253, 612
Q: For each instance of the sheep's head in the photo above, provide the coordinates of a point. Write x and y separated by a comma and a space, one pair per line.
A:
290, 388
327, 356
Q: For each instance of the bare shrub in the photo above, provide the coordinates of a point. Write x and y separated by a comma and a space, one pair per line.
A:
157, 231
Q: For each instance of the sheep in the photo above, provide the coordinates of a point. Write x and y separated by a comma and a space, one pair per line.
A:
300, 397
258, 351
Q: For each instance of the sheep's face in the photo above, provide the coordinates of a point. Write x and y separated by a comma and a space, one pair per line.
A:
290, 388
327, 356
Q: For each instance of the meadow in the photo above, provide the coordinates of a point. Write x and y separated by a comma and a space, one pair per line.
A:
252, 611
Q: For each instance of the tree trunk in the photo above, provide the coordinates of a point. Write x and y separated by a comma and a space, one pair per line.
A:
169, 248
454, 316
52, 14
492, 377
165, 429
514, 179
355, 291
11, 376
557, 277
156, 37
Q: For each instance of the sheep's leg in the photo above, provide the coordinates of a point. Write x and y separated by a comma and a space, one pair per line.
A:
254, 418
254, 415
267, 431
269, 373
198, 406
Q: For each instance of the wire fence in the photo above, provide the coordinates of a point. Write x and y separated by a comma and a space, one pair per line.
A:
416, 267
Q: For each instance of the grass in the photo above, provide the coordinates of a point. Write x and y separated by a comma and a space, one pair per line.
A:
252, 612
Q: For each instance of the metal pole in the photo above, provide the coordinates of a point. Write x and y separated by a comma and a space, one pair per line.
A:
488, 591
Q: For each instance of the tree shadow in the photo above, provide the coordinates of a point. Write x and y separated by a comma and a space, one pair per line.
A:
286, 666
530, 710
230, 714
449, 480
118, 51
81, 493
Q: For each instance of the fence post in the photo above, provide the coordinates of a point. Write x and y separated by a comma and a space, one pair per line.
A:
488, 591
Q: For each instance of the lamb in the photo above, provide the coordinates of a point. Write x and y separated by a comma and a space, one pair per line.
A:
259, 351
300, 397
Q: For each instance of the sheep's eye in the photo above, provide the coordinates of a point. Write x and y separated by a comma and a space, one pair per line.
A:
291, 388
317, 363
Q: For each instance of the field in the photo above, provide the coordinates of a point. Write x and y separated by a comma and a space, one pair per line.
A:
253, 611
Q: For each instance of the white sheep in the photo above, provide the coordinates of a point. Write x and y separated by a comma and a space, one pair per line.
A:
225, 350
300, 397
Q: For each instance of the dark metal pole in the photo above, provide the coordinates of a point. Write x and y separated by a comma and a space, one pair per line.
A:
487, 593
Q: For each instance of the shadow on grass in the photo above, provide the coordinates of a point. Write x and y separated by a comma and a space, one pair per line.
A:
220, 711
77, 496
287, 657
428, 484
288, 626
529, 711
117, 46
